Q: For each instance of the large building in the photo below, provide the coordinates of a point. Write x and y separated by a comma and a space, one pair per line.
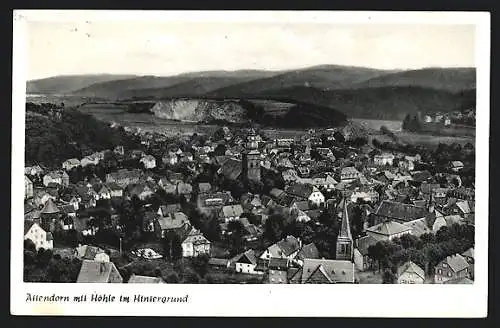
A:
251, 158
344, 249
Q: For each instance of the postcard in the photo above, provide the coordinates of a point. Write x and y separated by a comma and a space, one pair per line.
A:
241, 160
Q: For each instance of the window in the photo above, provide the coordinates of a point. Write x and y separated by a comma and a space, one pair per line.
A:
444, 265
449, 274
440, 271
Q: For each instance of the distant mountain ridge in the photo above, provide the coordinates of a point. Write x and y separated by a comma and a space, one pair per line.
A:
356, 91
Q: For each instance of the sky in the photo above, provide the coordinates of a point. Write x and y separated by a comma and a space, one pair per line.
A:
169, 48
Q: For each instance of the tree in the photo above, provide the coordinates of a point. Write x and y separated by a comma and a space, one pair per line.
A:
200, 264
356, 221
388, 277
236, 231
176, 248
273, 228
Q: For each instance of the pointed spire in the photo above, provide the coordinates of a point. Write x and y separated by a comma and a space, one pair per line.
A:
345, 229
49, 207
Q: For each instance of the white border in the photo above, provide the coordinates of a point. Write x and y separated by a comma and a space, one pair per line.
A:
262, 300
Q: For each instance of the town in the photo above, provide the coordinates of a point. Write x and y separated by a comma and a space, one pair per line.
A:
240, 206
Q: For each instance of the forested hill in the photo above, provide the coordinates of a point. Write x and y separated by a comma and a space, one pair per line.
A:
52, 135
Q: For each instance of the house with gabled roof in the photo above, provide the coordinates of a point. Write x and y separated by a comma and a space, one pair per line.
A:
93, 253
399, 212
230, 213
28, 188
70, 164
177, 222
322, 271
307, 251
361, 259
469, 256
195, 244
40, 237
388, 230
246, 262
99, 272
306, 192
410, 273
138, 279
452, 267
287, 248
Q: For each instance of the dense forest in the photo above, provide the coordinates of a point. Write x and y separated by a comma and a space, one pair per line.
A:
54, 134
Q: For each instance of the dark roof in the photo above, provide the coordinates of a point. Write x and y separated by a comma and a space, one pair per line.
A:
247, 257
413, 268
456, 262
288, 245
278, 263
309, 251
50, 207
218, 262
300, 190
232, 168
302, 205
460, 281
421, 176
336, 271
400, 211
364, 242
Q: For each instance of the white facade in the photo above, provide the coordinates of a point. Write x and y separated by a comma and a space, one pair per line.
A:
39, 237
317, 198
247, 268
384, 159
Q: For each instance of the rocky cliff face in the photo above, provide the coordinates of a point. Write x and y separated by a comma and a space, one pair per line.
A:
200, 110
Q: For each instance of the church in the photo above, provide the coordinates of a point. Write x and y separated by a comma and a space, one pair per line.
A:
252, 158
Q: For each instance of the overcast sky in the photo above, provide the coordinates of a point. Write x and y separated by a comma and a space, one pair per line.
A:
60, 48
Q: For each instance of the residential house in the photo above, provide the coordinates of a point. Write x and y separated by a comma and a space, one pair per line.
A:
400, 212
99, 272
104, 192
137, 279
388, 230
39, 237
287, 248
115, 191
308, 251
306, 192
177, 222
58, 177
321, 271
277, 276
33, 170
246, 263
166, 210
141, 190
90, 160
195, 244
93, 253
469, 256
349, 174
410, 273
148, 161
70, 164
384, 159
124, 177
169, 158
452, 267
204, 187
184, 189
361, 259
456, 166
230, 213
28, 188
119, 150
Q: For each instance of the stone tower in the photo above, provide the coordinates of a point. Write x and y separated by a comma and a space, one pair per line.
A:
344, 249
251, 158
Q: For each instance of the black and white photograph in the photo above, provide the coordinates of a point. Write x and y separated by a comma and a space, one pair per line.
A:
239, 151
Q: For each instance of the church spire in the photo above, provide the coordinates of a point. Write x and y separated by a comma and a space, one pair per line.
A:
345, 229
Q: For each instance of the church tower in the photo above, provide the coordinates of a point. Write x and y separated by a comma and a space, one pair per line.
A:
251, 158
344, 249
